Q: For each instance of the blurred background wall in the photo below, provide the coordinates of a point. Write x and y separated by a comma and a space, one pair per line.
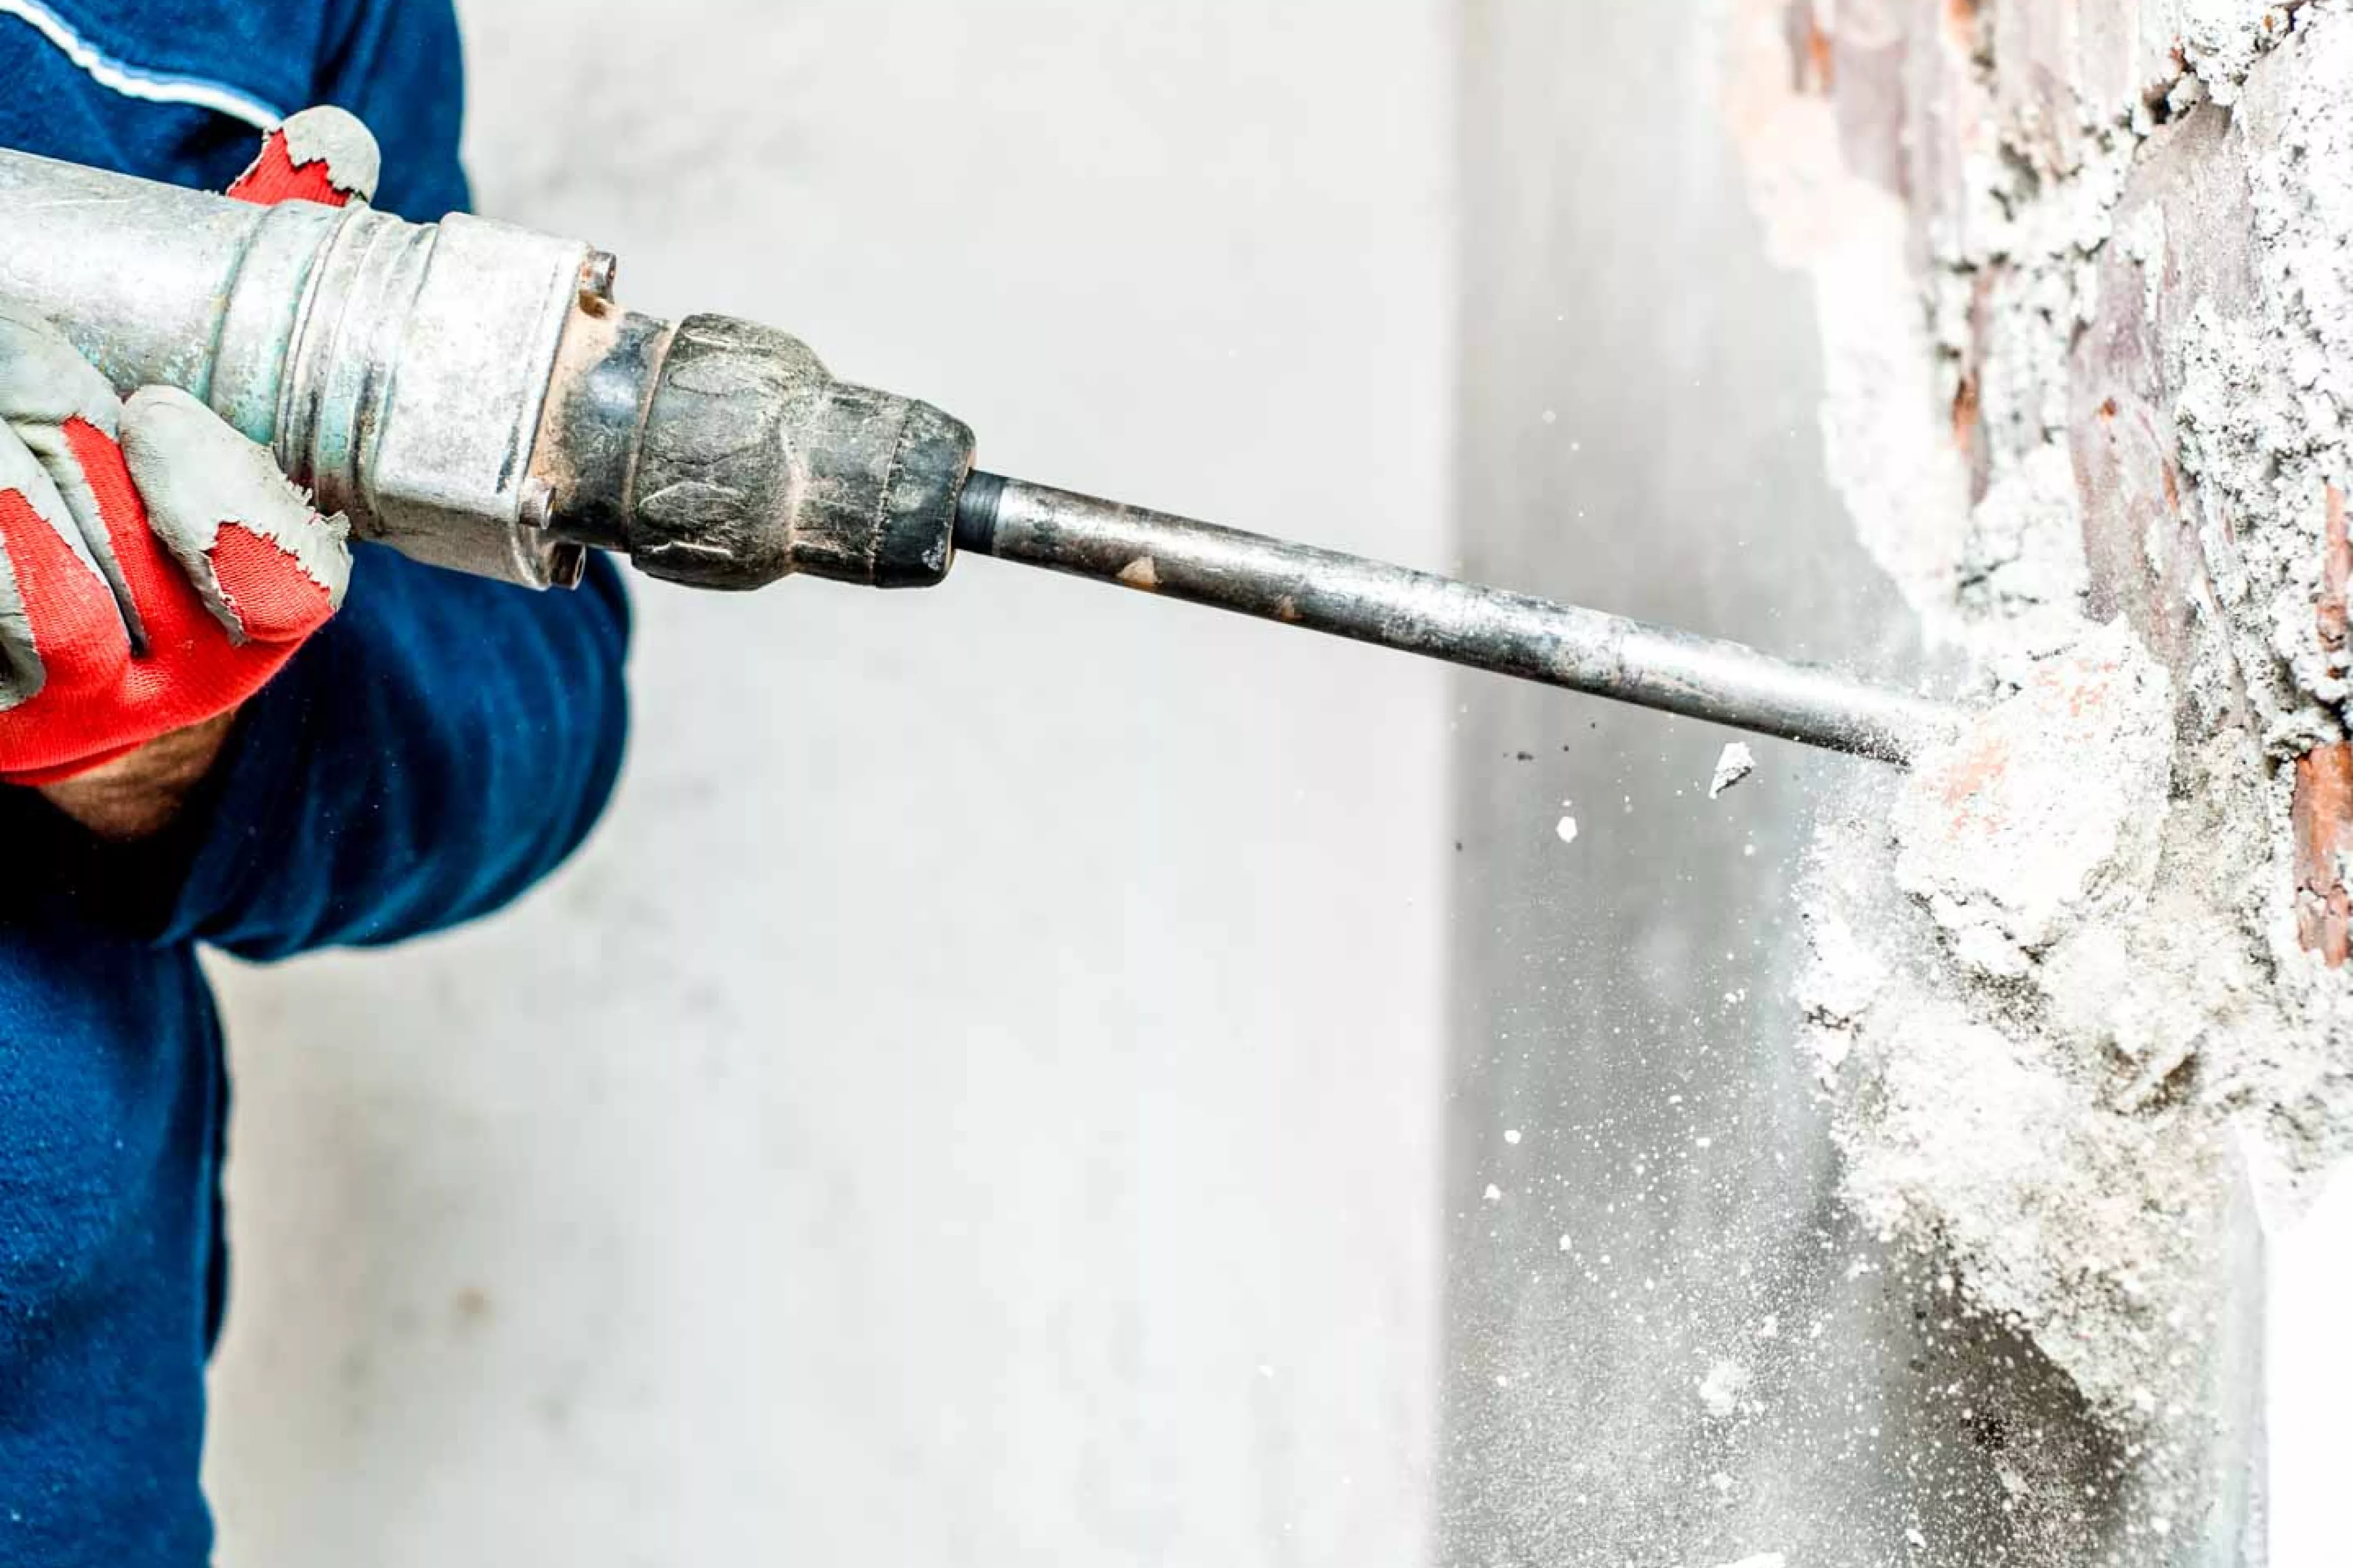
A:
1637, 1182
1038, 1161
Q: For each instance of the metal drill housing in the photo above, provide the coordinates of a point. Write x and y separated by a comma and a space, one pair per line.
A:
467, 393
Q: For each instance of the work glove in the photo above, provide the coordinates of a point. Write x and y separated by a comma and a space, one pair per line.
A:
158, 568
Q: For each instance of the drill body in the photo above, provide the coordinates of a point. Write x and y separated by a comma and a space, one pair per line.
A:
470, 392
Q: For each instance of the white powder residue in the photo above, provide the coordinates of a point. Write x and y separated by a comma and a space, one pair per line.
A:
1720, 1390
2221, 40
1566, 829
2033, 1073
1905, 486
1763, 1559
1735, 766
2021, 565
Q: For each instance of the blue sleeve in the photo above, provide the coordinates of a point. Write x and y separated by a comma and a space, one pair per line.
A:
399, 66
444, 742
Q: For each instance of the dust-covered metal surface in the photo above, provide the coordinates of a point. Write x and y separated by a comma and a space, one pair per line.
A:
398, 369
415, 375
159, 285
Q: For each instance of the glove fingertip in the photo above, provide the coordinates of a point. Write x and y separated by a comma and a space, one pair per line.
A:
277, 594
339, 141
323, 154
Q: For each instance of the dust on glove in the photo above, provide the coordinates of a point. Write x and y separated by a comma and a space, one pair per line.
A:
155, 567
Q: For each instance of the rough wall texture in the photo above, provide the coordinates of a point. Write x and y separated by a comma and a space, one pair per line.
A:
2088, 324
1959, 1268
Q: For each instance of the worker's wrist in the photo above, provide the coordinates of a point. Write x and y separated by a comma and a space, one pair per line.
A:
140, 794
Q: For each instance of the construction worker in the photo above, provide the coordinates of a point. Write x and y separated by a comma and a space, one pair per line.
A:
219, 723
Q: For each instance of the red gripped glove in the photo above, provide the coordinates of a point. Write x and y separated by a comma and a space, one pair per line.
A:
158, 568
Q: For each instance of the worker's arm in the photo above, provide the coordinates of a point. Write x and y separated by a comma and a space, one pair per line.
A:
441, 745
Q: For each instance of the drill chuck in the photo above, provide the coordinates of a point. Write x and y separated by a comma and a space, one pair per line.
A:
722, 455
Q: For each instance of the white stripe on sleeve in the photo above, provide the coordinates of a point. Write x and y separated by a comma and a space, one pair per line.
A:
131, 81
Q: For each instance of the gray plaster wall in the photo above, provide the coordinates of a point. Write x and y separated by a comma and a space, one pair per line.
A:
1041, 1163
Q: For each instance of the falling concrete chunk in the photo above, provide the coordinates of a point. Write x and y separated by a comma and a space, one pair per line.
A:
2047, 809
1737, 763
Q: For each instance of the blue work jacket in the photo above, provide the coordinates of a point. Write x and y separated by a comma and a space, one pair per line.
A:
442, 745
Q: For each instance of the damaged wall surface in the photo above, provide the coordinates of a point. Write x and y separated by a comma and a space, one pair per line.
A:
2075, 1029
2099, 438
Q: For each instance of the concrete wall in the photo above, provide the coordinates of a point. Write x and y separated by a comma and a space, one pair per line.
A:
673, 1218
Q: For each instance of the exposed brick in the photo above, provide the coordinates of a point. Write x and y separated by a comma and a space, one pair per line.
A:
1968, 406
2322, 814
